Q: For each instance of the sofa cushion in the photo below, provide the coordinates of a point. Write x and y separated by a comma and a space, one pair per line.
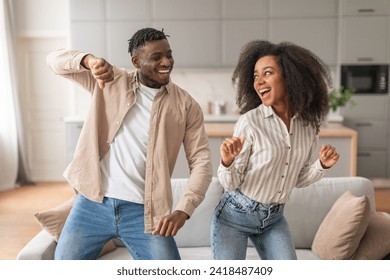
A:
340, 232
375, 243
53, 220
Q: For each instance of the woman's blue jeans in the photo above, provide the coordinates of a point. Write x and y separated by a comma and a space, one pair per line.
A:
237, 218
90, 225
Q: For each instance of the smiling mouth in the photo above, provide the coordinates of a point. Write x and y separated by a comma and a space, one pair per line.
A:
164, 72
264, 91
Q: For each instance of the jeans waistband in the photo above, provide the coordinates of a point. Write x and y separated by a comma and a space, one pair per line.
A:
272, 207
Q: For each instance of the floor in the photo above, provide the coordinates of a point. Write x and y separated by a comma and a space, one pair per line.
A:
382, 194
17, 207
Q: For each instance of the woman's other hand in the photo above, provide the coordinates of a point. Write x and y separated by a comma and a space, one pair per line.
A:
328, 156
230, 148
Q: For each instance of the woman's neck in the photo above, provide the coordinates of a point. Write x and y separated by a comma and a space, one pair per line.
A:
285, 114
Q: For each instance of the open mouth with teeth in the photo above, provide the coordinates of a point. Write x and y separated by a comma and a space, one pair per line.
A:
264, 91
164, 72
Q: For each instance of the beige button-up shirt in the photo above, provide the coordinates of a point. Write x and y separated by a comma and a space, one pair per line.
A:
176, 118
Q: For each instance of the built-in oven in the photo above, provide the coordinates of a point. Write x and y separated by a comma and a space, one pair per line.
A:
365, 79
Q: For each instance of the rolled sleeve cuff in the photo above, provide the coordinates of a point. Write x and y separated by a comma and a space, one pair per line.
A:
319, 167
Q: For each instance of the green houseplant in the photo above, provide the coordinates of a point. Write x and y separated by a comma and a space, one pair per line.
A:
340, 97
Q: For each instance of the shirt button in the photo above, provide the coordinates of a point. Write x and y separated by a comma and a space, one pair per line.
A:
282, 176
108, 141
117, 123
286, 163
128, 104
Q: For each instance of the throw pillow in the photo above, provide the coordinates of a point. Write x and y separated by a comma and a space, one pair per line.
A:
53, 221
375, 243
343, 227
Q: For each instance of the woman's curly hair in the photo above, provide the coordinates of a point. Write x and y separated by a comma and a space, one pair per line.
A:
307, 79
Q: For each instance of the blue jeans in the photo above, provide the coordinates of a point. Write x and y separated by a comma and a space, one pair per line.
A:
90, 225
237, 218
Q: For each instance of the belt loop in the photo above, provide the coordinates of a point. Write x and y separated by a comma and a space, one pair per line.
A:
255, 205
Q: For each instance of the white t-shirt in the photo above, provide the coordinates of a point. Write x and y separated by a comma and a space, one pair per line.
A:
123, 167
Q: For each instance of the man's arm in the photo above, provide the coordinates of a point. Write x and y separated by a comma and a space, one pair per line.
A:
80, 67
197, 149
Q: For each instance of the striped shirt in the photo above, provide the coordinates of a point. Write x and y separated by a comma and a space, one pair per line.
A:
273, 160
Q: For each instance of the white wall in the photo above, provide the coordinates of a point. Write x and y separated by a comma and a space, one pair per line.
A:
42, 17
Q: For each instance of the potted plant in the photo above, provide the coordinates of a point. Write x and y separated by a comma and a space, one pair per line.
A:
339, 98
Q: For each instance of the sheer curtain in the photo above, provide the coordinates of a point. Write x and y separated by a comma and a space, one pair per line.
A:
13, 169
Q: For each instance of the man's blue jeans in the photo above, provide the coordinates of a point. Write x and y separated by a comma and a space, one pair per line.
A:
90, 225
237, 218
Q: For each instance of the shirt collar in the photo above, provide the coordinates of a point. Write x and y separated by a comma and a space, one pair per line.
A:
268, 111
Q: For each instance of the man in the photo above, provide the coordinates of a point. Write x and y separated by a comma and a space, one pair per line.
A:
127, 150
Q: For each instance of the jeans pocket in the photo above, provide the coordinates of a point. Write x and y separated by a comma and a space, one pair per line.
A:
238, 203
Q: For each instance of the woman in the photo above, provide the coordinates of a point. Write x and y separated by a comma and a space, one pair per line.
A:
282, 94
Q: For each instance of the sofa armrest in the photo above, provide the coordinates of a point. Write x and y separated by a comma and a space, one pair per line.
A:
41, 247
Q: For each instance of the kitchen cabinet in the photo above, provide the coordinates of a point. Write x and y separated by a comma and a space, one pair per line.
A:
241, 22
185, 9
244, 9
303, 8
369, 118
372, 164
127, 10
86, 10
194, 43
364, 7
88, 36
233, 37
365, 39
117, 54
307, 23
372, 146
213, 31
309, 33
372, 133
372, 106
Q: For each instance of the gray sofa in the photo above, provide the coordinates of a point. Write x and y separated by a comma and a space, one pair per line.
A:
304, 212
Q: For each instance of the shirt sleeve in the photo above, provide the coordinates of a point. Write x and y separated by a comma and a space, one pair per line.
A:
67, 63
231, 177
198, 154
